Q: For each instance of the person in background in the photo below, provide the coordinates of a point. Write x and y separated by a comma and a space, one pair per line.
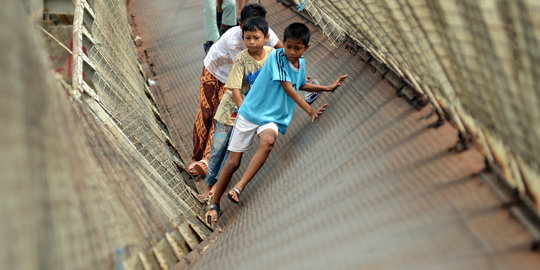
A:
218, 17
226, 14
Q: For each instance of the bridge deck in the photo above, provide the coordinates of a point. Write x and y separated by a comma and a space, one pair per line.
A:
368, 186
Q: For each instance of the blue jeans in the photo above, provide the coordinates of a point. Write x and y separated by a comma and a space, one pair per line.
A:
219, 152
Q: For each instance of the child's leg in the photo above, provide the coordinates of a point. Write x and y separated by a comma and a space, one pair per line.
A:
216, 98
233, 162
219, 151
267, 140
225, 157
240, 141
217, 155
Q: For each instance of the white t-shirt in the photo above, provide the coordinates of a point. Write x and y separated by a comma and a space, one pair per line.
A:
220, 57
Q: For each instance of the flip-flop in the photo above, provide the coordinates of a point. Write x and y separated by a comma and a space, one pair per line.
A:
310, 97
209, 219
235, 189
191, 169
201, 167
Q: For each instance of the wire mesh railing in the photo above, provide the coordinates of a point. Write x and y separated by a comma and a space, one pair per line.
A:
476, 60
121, 89
89, 177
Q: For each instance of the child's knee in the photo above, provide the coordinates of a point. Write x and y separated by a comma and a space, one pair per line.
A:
267, 143
232, 164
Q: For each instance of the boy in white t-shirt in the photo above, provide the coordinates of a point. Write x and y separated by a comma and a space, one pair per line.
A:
217, 65
267, 109
245, 69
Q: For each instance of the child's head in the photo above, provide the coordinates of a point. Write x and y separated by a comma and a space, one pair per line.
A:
296, 41
255, 24
250, 11
297, 31
255, 33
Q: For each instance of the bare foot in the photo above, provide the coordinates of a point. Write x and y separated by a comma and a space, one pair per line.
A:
206, 193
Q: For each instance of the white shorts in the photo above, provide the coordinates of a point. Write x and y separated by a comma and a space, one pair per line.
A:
243, 132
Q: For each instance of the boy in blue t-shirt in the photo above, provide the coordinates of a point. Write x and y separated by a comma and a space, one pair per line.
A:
268, 109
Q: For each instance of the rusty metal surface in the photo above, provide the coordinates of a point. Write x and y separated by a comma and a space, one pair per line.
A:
368, 186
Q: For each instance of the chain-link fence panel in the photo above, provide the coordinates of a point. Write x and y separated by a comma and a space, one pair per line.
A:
477, 60
87, 181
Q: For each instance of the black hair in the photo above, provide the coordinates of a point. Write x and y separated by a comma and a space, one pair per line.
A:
254, 24
297, 31
252, 10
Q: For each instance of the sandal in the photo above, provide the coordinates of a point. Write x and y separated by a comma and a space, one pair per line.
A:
191, 169
310, 97
209, 218
201, 167
235, 189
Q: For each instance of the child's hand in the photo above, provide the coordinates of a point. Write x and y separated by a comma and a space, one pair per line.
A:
338, 82
315, 113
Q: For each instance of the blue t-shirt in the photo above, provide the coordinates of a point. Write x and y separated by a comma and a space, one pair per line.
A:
267, 101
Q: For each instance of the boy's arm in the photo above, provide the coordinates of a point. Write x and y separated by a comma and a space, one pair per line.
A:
237, 95
274, 37
324, 88
289, 89
234, 82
